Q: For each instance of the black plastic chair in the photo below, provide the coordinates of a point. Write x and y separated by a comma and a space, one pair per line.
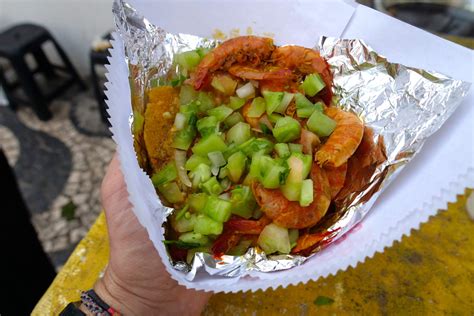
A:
20, 40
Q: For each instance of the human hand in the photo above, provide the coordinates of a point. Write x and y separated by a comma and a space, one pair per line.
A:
136, 281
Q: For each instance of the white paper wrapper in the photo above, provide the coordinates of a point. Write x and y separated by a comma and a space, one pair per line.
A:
378, 230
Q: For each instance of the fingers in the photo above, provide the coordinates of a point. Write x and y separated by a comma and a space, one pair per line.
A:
114, 193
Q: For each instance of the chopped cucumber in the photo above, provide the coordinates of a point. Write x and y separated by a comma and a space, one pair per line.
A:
233, 119
285, 101
193, 237
243, 201
187, 94
184, 224
212, 186
200, 174
207, 226
208, 144
220, 112
282, 150
293, 235
257, 107
188, 60
217, 209
272, 100
224, 84
236, 103
207, 125
273, 177
171, 192
239, 133
236, 166
167, 174
306, 195
286, 129
274, 238
183, 139
197, 201
196, 160
291, 190
312, 84
241, 248
296, 148
320, 124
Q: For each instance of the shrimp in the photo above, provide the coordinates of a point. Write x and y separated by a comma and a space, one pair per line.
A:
243, 49
251, 73
308, 242
306, 61
361, 166
291, 214
336, 177
234, 229
343, 141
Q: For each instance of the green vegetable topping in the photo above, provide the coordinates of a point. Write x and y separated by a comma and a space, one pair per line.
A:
239, 133
312, 84
195, 238
236, 166
286, 129
217, 209
257, 107
272, 100
320, 124
220, 112
188, 60
208, 144
207, 125
243, 202
236, 103
207, 226
212, 186
274, 238
167, 174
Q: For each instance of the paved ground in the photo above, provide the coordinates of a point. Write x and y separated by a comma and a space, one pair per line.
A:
59, 166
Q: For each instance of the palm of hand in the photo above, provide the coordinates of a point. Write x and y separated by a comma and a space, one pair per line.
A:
136, 272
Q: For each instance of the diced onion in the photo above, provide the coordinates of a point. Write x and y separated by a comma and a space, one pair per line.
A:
180, 160
179, 121
245, 91
225, 196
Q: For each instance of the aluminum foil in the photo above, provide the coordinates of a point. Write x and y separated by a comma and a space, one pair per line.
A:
402, 105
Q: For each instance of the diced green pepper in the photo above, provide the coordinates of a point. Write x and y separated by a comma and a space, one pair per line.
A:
320, 124
207, 226
236, 103
217, 209
171, 192
272, 100
236, 166
274, 117
257, 107
233, 119
212, 186
167, 174
243, 201
138, 121
239, 133
196, 160
274, 238
312, 84
208, 144
286, 129
203, 51
306, 195
282, 150
220, 112
193, 237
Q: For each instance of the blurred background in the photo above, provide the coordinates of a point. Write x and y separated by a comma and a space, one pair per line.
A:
53, 126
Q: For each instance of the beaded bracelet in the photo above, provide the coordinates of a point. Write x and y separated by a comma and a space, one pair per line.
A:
96, 305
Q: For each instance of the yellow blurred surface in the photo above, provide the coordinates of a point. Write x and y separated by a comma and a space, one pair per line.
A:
430, 272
